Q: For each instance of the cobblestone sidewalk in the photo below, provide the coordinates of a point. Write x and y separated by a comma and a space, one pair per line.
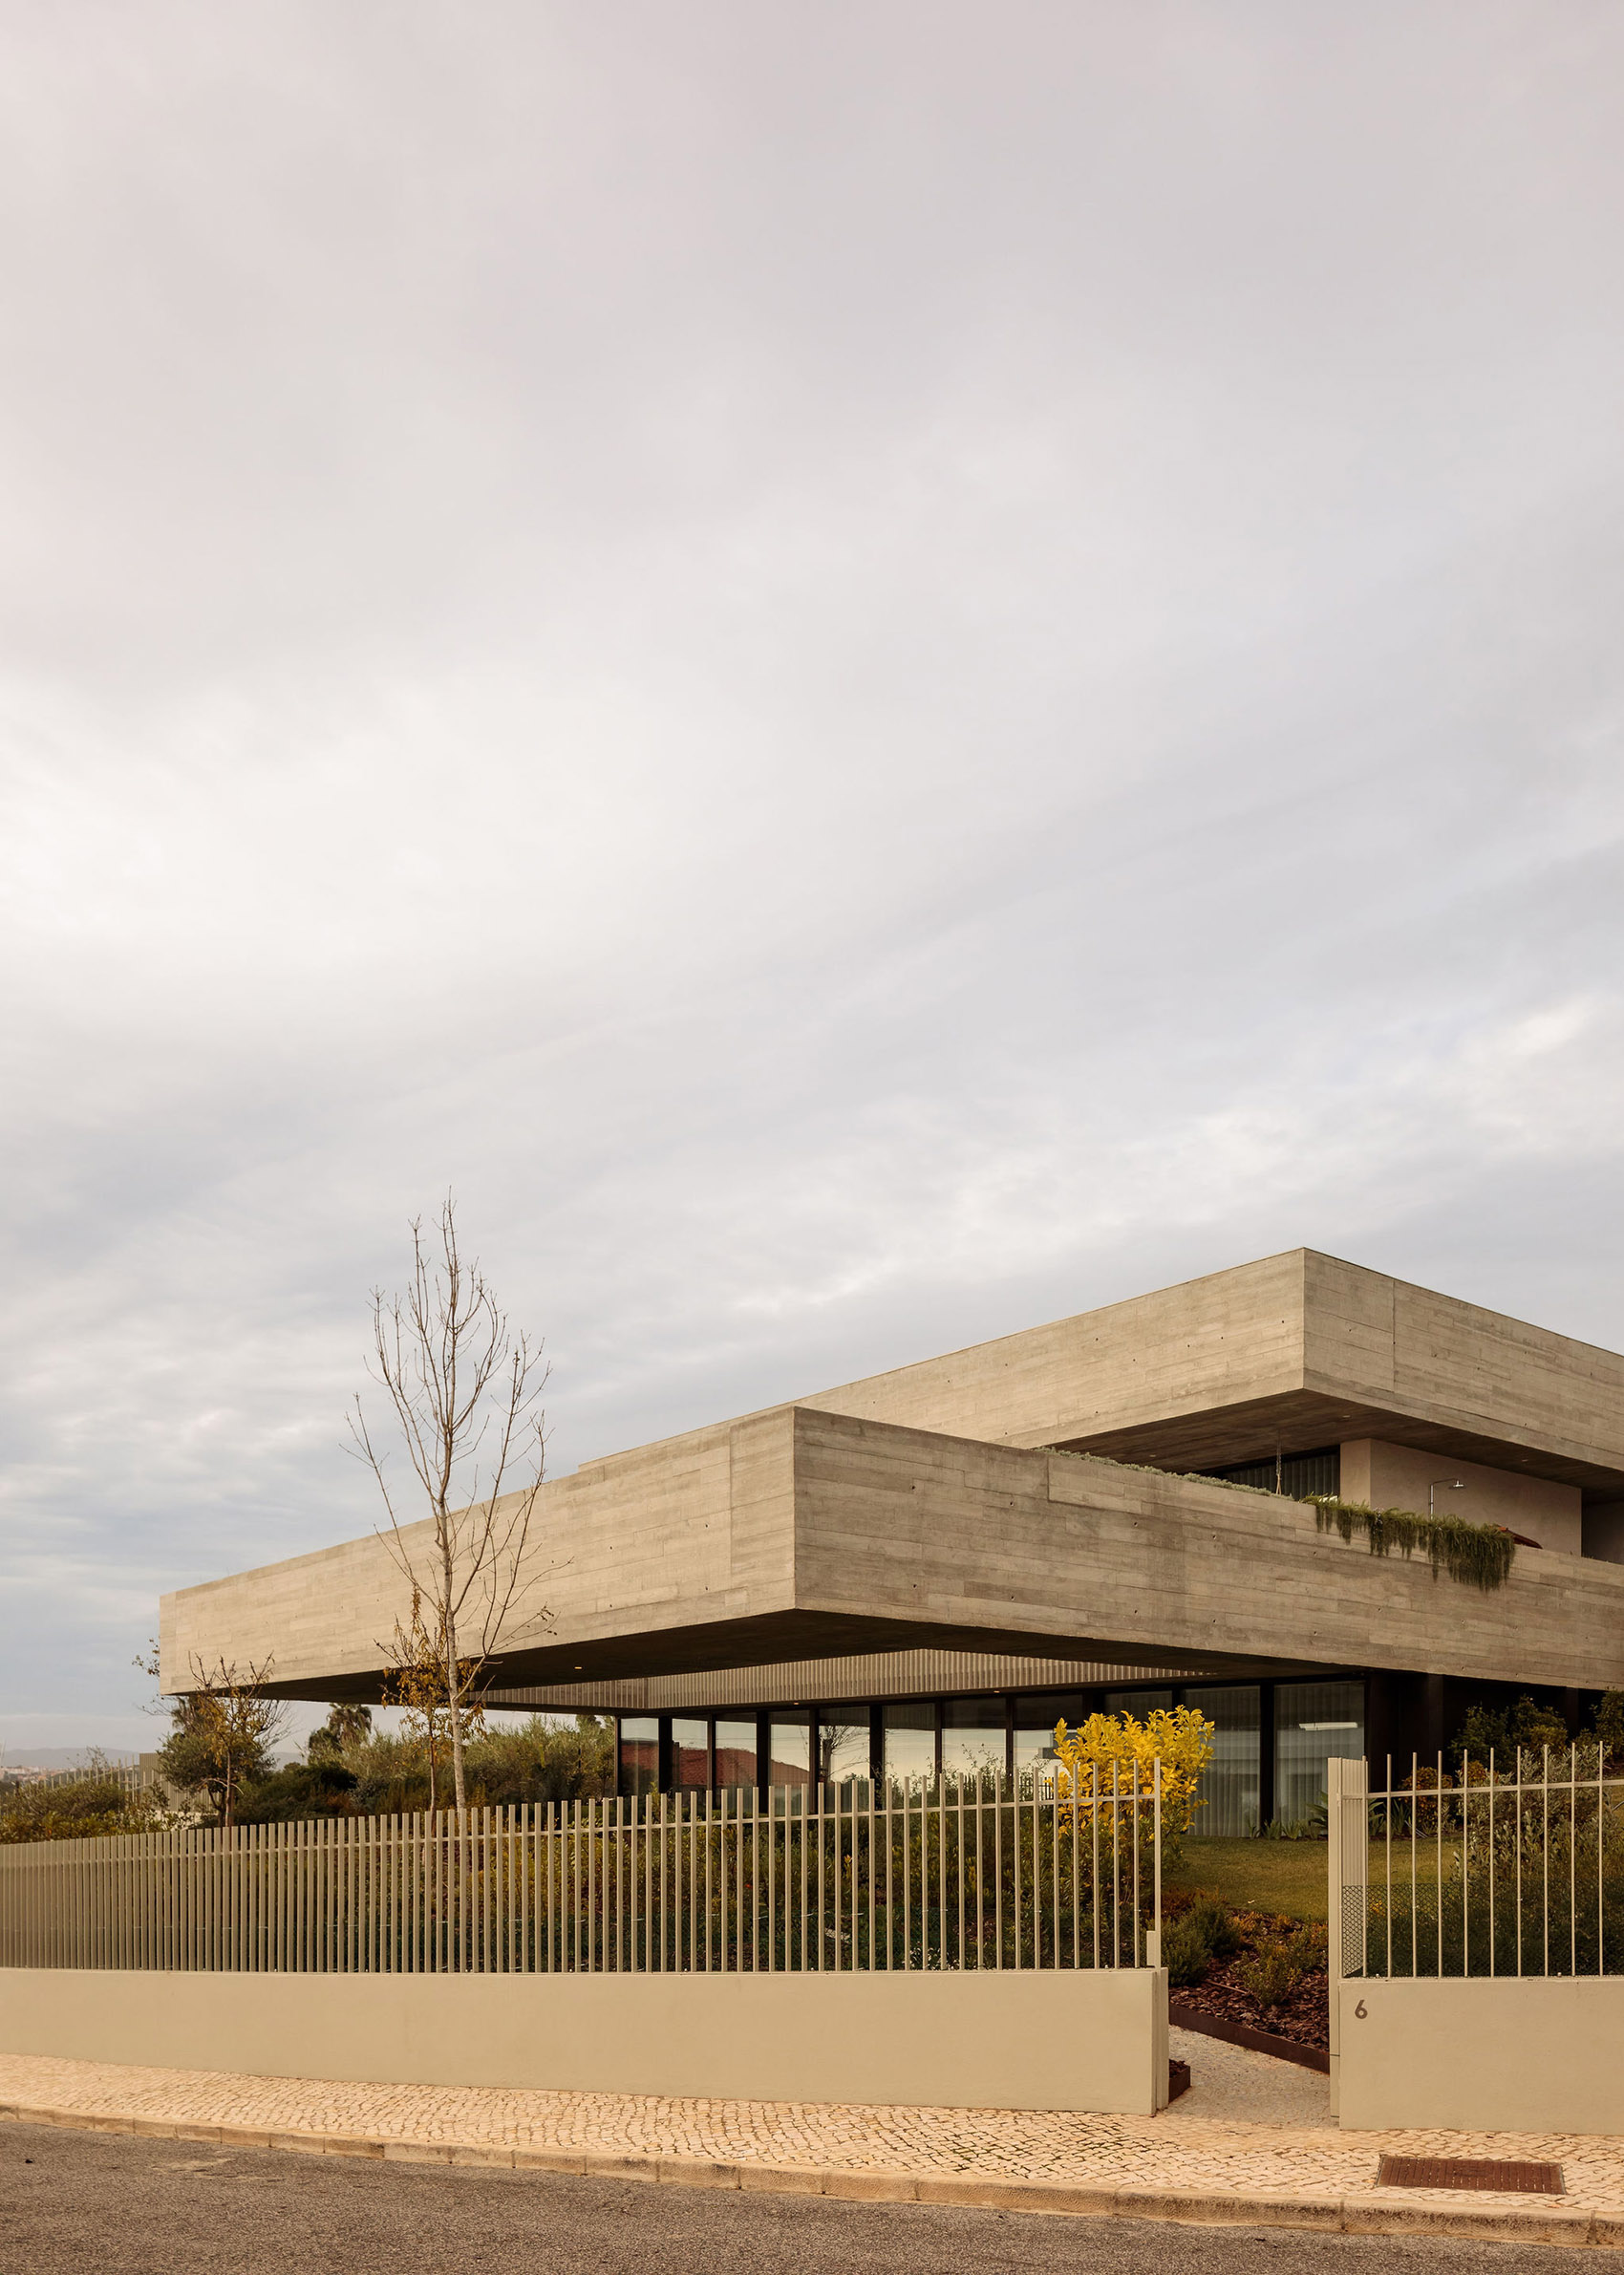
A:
1223, 2154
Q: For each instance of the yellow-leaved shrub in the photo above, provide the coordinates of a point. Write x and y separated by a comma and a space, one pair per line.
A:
1181, 1740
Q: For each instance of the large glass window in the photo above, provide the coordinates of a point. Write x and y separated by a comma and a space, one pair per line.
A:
842, 1744
910, 1744
1296, 1475
640, 1753
1035, 1718
973, 1737
1228, 1791
789, 1749
735, 1753
690, 1752
1314, 1722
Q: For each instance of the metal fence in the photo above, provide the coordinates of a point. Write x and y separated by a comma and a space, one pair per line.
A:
131, 1779
972, 1875
1503, 1868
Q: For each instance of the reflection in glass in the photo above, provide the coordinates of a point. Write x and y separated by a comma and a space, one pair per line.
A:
690, 1752
1228, 1782
1313, 1723
789, 1749
973, 1737
735, 1753
640, 1753
842, 1744
1035, 1718
910, 1744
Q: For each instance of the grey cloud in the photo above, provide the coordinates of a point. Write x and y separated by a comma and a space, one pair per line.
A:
877, 674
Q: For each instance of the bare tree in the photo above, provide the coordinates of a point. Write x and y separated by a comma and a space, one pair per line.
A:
224, 1729
466, 1391
416, 1685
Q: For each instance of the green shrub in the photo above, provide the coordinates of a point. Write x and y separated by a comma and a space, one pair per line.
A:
536, 1762
78, 1809
1519, 1732
1186, 1953
1279, 1965
1216, 1925
303, 1789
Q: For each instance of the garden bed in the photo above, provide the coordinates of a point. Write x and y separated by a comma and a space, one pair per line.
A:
1303, 2018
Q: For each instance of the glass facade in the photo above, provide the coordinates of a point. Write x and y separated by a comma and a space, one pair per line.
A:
1297, 1475
1271, 1743
1035, 1718
789, 1748
1228, 1797
640, 1753
910, 1743
690, 1754
735, 1753
843, 1743
973, 1737
1314, 1722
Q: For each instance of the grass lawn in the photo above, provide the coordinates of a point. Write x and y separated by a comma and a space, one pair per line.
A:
1258, 1876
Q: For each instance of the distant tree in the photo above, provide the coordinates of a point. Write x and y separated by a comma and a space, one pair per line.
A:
466, 1390
223, 1727
345, 1727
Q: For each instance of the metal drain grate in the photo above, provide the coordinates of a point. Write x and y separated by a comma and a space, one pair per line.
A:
1497, 2173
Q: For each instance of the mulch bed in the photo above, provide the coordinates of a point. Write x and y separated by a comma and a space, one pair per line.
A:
1304, 2018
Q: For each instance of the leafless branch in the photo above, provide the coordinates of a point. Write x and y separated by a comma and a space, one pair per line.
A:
465, 1391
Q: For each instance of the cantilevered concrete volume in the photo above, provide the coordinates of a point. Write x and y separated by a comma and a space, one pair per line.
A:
1025, 1517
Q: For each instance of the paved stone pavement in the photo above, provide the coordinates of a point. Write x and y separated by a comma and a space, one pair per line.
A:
1253, 2139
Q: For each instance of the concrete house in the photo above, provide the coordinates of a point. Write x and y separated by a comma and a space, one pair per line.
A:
922, 1572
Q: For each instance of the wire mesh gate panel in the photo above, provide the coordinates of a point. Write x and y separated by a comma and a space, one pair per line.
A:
1503, 1868
972, 1875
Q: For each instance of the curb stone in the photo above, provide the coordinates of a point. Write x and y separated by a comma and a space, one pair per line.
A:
785, 2179
1356, 2216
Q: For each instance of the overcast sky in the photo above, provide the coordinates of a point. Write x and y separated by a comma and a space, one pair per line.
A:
877, 672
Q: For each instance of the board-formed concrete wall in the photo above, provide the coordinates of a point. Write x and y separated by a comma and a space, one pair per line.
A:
817, 1534
1090, 2040
1536, 2055
1300, 1348
1387, 1476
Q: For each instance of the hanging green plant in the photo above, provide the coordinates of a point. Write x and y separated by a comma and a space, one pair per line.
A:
1479, 1555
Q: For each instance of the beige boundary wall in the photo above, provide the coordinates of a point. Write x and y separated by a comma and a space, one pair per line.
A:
1088, 2039
1540, 2055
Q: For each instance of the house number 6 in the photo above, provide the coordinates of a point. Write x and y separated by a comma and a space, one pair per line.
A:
1361, 2011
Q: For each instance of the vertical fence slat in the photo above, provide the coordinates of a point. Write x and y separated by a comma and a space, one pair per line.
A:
846, 1878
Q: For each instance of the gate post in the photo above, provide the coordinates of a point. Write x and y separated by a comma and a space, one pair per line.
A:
1347, 1861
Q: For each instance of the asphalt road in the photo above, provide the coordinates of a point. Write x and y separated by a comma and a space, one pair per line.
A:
88, 2204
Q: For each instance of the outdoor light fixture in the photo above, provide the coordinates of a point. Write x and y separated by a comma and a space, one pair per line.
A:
1453, 1485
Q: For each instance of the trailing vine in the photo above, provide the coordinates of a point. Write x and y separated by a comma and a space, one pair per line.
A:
1479, 1555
